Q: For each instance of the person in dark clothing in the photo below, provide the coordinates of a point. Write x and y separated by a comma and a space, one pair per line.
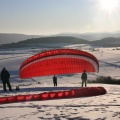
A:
5, 75
84, 78
55, 80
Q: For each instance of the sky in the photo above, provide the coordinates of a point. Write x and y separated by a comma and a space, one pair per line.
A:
46, 17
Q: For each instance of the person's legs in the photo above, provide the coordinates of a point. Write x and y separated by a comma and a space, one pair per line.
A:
82, 82
85, 83
4, 86
55, 83
9, 86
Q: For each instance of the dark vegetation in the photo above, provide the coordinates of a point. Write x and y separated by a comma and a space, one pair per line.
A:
44, 41
106, 80
107, 42
48, 40
60, 41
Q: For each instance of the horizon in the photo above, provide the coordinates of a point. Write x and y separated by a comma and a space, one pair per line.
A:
44, 17
117, 31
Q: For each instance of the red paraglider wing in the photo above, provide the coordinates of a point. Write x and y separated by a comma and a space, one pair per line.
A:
58, 61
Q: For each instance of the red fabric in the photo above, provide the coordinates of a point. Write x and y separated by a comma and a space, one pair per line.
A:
45, 96
59, 61
12, 99
81, 92
20, 98
37, 97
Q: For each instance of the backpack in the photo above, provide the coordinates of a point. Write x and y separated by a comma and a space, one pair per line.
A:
17, 88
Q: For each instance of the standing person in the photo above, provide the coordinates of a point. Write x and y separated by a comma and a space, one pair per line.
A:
55, 80
84, 78
5, 75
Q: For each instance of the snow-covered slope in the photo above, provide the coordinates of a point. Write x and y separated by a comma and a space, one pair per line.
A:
86, 108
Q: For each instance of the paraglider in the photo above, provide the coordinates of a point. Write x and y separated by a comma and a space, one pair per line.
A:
58, 61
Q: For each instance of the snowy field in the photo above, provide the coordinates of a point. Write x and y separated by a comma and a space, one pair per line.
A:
103, 107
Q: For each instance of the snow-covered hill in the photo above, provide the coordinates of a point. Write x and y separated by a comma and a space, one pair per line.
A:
86, 108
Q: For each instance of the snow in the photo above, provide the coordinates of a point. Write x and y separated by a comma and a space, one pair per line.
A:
103, 107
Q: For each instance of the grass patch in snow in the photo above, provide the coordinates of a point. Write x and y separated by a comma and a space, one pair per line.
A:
106, 80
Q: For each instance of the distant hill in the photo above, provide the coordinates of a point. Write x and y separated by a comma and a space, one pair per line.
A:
92, 36
44, 41
6, 38
60, 41
107, 42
